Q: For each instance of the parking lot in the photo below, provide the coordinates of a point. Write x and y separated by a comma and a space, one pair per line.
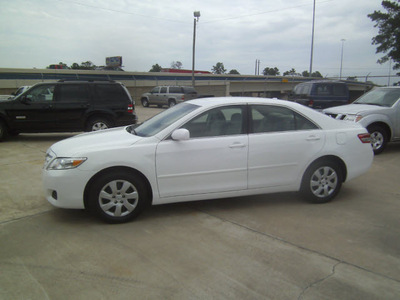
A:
261, 247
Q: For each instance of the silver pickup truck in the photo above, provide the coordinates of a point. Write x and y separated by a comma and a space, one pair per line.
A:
378, 111
169, 95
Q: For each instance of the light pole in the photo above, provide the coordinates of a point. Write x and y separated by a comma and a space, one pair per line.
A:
341, 60
312, 39
196, 15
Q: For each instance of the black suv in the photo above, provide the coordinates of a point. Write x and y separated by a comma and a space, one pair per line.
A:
321, 94
67, 106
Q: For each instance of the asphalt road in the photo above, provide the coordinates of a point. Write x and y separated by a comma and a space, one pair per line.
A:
264, 247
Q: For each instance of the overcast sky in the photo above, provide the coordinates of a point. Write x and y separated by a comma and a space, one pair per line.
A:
37, 33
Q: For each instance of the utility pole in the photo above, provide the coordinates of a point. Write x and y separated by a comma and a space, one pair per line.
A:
312, 39
196, 15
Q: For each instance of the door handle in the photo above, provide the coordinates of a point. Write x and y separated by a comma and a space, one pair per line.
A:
313, 138
237, 145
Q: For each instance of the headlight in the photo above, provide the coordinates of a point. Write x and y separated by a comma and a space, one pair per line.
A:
64, 163
352, 118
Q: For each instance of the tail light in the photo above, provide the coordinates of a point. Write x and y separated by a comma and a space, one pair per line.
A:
311, 103
183, 98
365, 138
130, 108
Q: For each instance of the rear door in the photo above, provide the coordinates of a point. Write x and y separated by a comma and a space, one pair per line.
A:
71, 103
281, 144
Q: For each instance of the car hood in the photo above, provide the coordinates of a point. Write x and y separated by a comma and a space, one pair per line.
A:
353, 109
93, 141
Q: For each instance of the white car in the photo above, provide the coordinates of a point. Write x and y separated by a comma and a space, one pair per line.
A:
206, 149
378, 111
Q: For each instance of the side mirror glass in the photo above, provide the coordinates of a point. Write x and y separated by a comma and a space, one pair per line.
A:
181, 134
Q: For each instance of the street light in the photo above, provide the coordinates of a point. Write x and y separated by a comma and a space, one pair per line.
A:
341, 59
312, 39
196, 15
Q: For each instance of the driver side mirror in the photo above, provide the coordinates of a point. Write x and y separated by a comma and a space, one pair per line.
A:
180, 134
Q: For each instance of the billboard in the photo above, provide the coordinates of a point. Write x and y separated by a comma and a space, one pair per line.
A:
114, 61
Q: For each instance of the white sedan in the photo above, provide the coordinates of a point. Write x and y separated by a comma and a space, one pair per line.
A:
206, 149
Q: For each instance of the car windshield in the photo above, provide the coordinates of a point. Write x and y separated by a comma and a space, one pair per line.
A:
381, 97
163, 120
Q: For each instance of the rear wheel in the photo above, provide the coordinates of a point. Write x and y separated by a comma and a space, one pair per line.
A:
321, 182
118, 197
171, 102
379, 138
99, 123
145, 102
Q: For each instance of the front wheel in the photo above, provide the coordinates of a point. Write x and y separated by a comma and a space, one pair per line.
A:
98, 124
3, 131
118, 197
321, 182
379, 138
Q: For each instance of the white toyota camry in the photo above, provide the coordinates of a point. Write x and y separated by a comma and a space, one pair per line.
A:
206, 149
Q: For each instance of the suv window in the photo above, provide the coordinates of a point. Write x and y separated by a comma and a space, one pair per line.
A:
163, 90
110, 92
273, 119
73, 93
189, 90
175, 90
339, 90
41, 93
155, 90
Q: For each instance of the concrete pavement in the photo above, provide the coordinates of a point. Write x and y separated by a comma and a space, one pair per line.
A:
264, 247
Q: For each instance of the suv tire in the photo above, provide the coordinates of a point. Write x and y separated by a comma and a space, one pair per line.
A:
145, 102
379, 138
99, 123
171, 102
3, 131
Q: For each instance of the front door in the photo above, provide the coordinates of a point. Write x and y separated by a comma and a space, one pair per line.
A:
34, 111
214, 159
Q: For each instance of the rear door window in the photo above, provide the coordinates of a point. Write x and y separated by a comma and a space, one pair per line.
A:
73, 93
175, 90
110, 93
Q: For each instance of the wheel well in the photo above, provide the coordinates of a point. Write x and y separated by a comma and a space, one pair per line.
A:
94, 116
384, 126
335, 160
171, 99
116, 169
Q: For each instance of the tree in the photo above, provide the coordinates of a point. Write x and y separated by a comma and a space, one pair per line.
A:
234, 71
271, 71
87, 65
218, 68
155, 68
313, 74
176, 65
292, 72
388, 38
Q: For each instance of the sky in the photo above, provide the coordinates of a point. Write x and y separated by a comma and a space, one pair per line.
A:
37, 33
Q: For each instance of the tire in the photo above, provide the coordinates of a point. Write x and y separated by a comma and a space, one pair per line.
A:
171, 102
96, 124
379, 138
321, 182
3, 131
118, 197
145, 102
